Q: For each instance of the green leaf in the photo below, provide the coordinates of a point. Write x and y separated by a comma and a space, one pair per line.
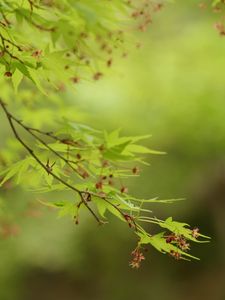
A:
216, 2
101, 206
155, 200
35, 77
142, 150
16, 79
20, 168
65, 208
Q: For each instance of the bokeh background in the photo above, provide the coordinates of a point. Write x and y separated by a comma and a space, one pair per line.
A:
173, 87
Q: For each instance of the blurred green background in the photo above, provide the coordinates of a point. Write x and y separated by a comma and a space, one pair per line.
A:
173, 87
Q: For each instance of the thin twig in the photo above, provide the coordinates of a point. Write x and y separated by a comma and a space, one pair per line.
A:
10, 42
43, 143
124, 215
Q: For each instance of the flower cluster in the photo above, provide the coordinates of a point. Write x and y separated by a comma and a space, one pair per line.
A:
137, 258
180, 242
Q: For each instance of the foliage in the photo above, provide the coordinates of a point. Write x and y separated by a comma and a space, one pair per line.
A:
75, 40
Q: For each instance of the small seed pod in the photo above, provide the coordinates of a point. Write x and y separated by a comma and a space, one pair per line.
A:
109, 62
8, 74
97, 76
110, 182
78, 156
105, 163
101, 147
85, 174
75, 79
135, 170
124, 189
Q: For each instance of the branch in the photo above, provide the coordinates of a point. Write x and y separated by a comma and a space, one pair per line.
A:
84, 195
10, 119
